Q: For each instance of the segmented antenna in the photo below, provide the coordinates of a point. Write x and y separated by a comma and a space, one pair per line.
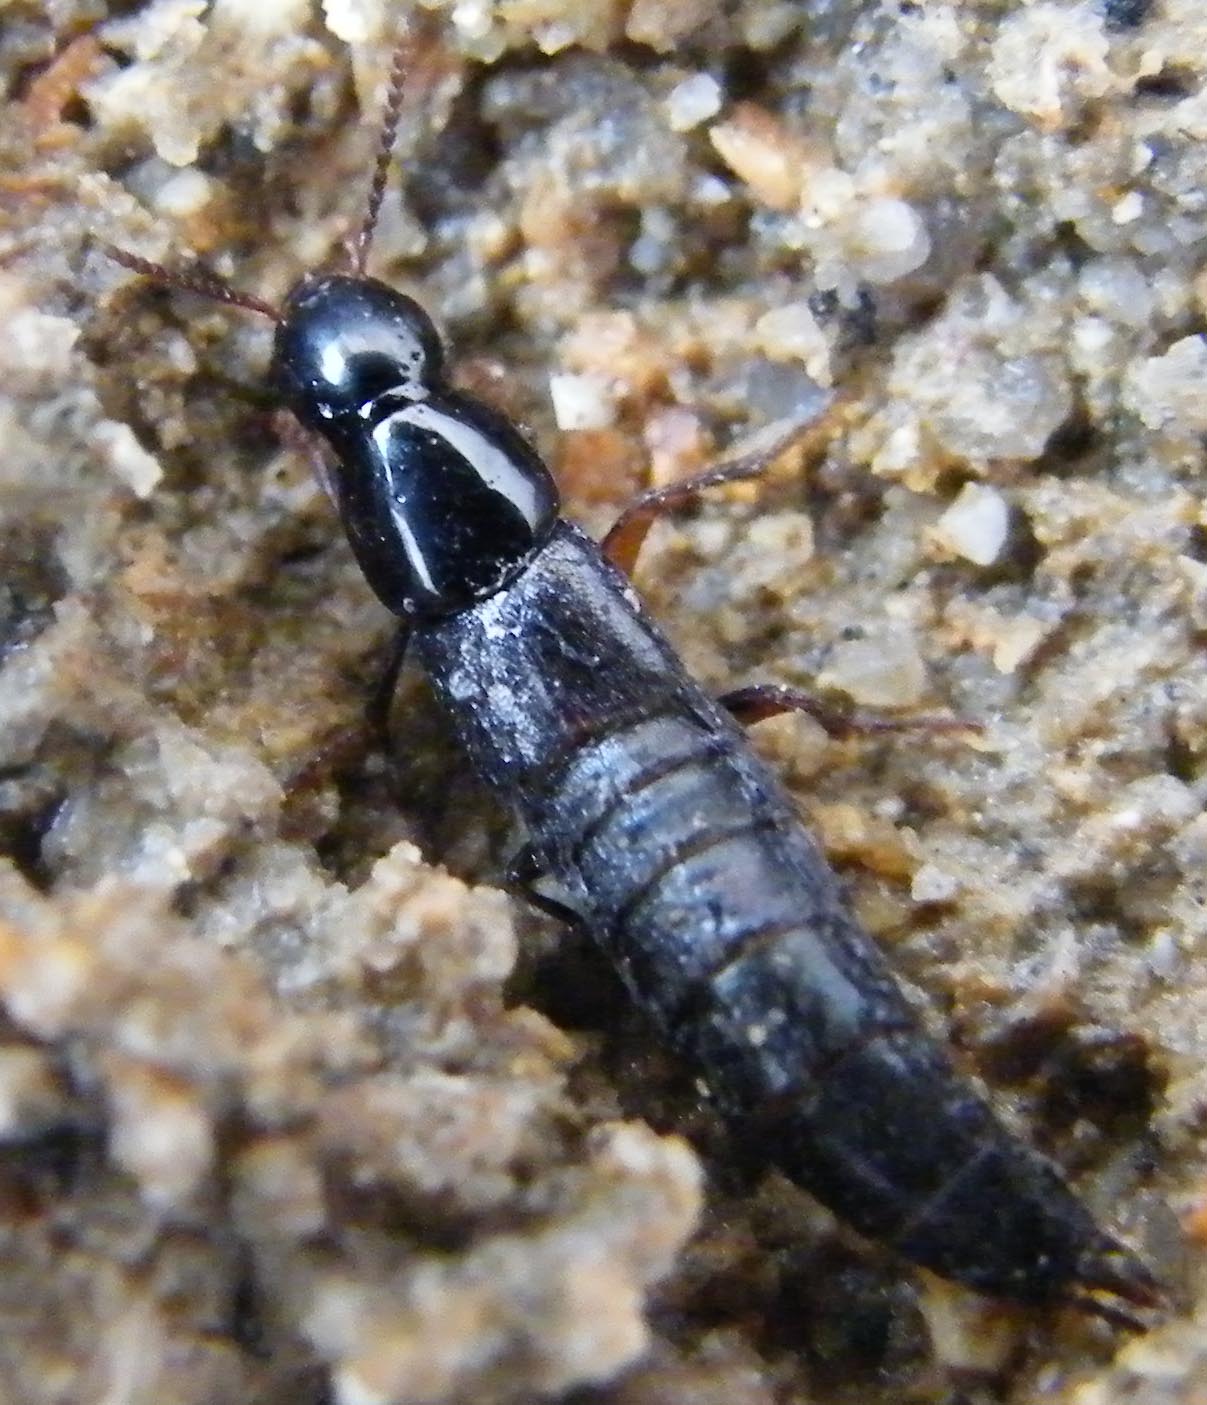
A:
195, 280
385, 148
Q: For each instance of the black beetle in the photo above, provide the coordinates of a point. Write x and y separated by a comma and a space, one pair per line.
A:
679, 850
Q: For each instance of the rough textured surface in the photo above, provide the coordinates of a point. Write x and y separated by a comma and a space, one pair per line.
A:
286, 1110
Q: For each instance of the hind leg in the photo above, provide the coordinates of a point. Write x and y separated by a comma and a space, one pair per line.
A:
763, 700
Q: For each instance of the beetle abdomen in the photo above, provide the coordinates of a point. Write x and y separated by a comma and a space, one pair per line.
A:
692, 871
727, 927
696, 874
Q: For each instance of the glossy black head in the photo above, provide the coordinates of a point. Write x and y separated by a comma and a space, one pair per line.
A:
444, 502
343, 341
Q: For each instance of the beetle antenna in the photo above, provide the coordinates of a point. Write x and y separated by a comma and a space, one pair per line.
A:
385, 149
196, 280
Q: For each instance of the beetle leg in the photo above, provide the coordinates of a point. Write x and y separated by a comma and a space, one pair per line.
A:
523, 872
763, 700
627, 533
382, 699
295, 437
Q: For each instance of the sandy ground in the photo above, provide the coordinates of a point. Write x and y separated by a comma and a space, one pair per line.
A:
295, 1103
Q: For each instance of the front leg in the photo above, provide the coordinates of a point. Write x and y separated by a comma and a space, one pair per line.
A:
382, 700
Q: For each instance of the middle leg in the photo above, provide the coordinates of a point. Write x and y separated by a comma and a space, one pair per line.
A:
629, 531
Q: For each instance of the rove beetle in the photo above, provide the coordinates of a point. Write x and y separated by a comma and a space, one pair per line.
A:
678, 849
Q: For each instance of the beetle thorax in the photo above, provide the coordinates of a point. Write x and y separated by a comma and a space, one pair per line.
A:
443, 500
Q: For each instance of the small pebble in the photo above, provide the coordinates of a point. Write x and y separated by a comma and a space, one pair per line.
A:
184, 193
1167, 391
582, 400
888, 240
1002, 409
931, 884
976, 525
792, 332
884, 670
127, 458
693, 101
37, 350
760, 151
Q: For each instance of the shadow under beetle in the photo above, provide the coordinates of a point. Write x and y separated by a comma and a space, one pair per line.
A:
681, 852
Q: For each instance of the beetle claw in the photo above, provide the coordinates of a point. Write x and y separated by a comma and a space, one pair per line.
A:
1110, 1276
